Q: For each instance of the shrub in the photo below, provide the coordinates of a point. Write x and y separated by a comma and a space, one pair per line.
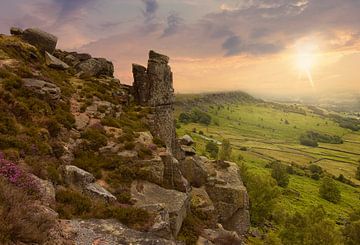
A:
280, 174
313, 227
72, 203
263, 194
225, 152
315, 169
16, 176
96, 137
129, 146
305, 140
19, 223
357, 174
130, 216
212, 148
329, 191
351, 231
184, 118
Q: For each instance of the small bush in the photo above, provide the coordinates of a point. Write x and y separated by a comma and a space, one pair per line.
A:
129, 146
72, 203
280, 174
329, 191
212, 148
96, 138
19, 223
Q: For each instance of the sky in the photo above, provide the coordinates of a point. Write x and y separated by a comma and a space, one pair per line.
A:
268, 47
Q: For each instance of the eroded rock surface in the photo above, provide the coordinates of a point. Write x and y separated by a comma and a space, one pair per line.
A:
175, 202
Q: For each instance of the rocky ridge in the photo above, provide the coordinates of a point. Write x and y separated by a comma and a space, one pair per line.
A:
120, 148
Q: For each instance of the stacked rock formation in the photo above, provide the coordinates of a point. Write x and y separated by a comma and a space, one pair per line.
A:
153, 86
216, 185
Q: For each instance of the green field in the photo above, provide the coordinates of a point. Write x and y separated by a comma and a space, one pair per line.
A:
272, 133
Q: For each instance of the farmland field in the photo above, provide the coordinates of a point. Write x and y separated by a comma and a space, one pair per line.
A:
261, 132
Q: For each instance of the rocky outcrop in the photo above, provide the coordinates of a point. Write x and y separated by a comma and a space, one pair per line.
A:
40, 39
84, 181
42, 88
219, 236
175, 203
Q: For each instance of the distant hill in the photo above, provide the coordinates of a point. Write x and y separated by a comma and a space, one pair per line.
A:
190, 100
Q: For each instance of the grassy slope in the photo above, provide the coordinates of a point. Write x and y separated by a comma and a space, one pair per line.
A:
262, 129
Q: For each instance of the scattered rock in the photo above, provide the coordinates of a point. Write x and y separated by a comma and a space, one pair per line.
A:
189, 150
81, 120
15, 31
54, 62
42, 40
96, 190
186, 140
194, 171
77, 176
111, 232
85, 182
175, 202
43, 88
95, 67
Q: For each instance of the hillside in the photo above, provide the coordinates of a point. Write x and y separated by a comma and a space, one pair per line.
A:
262, 133
85, 159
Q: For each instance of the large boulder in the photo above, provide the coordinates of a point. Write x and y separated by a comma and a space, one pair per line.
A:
176, 203
194, 171
85, 182
54, 62
95, 67
15, 31
43, 88
229, 196
42, 40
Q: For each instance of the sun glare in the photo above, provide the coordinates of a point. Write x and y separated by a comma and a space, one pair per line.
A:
305, 59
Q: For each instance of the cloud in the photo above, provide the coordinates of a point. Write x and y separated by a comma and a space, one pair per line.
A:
234, 46
174, 22
151, 7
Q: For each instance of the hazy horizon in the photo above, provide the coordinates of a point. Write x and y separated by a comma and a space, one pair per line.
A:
276, 48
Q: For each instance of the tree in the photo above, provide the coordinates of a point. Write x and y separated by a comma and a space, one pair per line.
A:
280, 174
262, 192
212, 148
225, 153
329, 191
357, 175
312, 227
351, 231
184, 118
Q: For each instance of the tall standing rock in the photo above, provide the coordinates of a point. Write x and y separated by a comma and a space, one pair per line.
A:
153, 86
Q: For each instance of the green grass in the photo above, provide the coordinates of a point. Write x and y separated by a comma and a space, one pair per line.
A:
262, 129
